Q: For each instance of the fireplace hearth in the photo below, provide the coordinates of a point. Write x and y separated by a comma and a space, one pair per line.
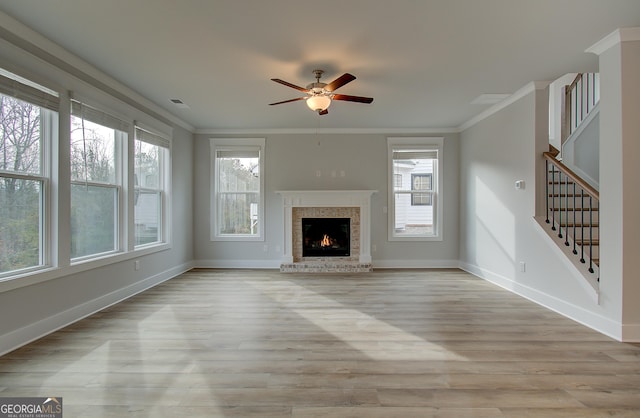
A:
326, 237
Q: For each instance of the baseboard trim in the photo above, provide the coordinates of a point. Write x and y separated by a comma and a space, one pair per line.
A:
27, 334
237, 264
587, 318
415, 264
275, 264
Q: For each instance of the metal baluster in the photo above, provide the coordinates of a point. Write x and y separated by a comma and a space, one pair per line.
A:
546, 188
590, 234
553, 198
566, 208
574, 219
560, 205
582, 227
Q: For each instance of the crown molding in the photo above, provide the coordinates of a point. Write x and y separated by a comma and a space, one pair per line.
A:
312, 131
614, 38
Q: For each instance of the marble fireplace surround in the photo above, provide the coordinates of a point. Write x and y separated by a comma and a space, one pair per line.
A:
354, 204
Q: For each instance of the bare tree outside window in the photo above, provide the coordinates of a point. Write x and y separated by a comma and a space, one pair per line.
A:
20, 184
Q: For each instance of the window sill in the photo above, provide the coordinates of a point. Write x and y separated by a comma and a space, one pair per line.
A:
415, 238
237, 238
50, 273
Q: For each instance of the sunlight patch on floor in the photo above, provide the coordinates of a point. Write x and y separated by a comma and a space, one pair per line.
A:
375, 338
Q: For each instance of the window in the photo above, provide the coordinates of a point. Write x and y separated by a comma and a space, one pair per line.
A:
98, 141
397, 180
415, 207
151, 154
421, 182
237, 189
28, 128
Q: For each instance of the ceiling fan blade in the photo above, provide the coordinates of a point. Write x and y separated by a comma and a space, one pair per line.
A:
323, 112
288, 101
293, 86
340, 81
348, 98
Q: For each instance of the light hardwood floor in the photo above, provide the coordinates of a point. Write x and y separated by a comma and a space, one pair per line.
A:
391, 343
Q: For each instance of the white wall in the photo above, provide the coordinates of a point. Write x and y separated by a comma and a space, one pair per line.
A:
292, 161
619, 60
497, 228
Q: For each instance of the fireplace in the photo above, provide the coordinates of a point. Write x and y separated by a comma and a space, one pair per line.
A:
353, 205
326, 237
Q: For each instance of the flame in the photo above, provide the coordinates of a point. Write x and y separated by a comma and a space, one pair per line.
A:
326, 241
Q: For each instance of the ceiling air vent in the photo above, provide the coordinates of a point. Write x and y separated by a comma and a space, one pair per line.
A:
179, 103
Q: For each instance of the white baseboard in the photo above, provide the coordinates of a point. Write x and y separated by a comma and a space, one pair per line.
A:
275, 264
39, 329
415, 264
587, 318
237, 264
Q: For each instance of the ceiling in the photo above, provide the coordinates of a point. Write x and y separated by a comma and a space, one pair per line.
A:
424, 61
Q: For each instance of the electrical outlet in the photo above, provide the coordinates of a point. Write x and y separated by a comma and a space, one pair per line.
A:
136, 265
523, 266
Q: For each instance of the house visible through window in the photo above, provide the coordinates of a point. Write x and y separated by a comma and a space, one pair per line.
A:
237, 195
421, 182
415, 211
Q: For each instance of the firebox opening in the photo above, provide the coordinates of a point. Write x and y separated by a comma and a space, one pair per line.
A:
326, 237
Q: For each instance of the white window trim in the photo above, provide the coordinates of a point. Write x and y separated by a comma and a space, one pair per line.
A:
416, 142
165, 143
122, 139
227, 143
48, 136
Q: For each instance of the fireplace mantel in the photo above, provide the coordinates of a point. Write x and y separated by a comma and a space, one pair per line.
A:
326, 199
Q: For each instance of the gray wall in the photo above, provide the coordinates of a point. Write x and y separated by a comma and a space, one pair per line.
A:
292, 161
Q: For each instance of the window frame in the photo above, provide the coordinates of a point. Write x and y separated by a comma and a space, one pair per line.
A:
436, 194
12, 85
235, 144
164, 166
122, 134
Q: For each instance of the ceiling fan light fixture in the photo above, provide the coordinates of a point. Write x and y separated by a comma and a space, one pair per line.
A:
318, 103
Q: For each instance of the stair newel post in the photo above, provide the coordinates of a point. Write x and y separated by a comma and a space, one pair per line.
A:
574, 219
590, 234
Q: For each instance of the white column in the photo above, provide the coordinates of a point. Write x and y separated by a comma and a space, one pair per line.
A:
619, 59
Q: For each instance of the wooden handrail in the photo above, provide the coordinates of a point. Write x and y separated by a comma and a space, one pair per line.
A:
575, 81
573, 176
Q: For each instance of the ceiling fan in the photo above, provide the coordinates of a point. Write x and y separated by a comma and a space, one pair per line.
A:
320, 95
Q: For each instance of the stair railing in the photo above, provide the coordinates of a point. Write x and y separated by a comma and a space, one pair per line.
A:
580, 97
571, 206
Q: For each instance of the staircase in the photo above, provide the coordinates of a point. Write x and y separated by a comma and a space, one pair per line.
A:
573, 212
572, 204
